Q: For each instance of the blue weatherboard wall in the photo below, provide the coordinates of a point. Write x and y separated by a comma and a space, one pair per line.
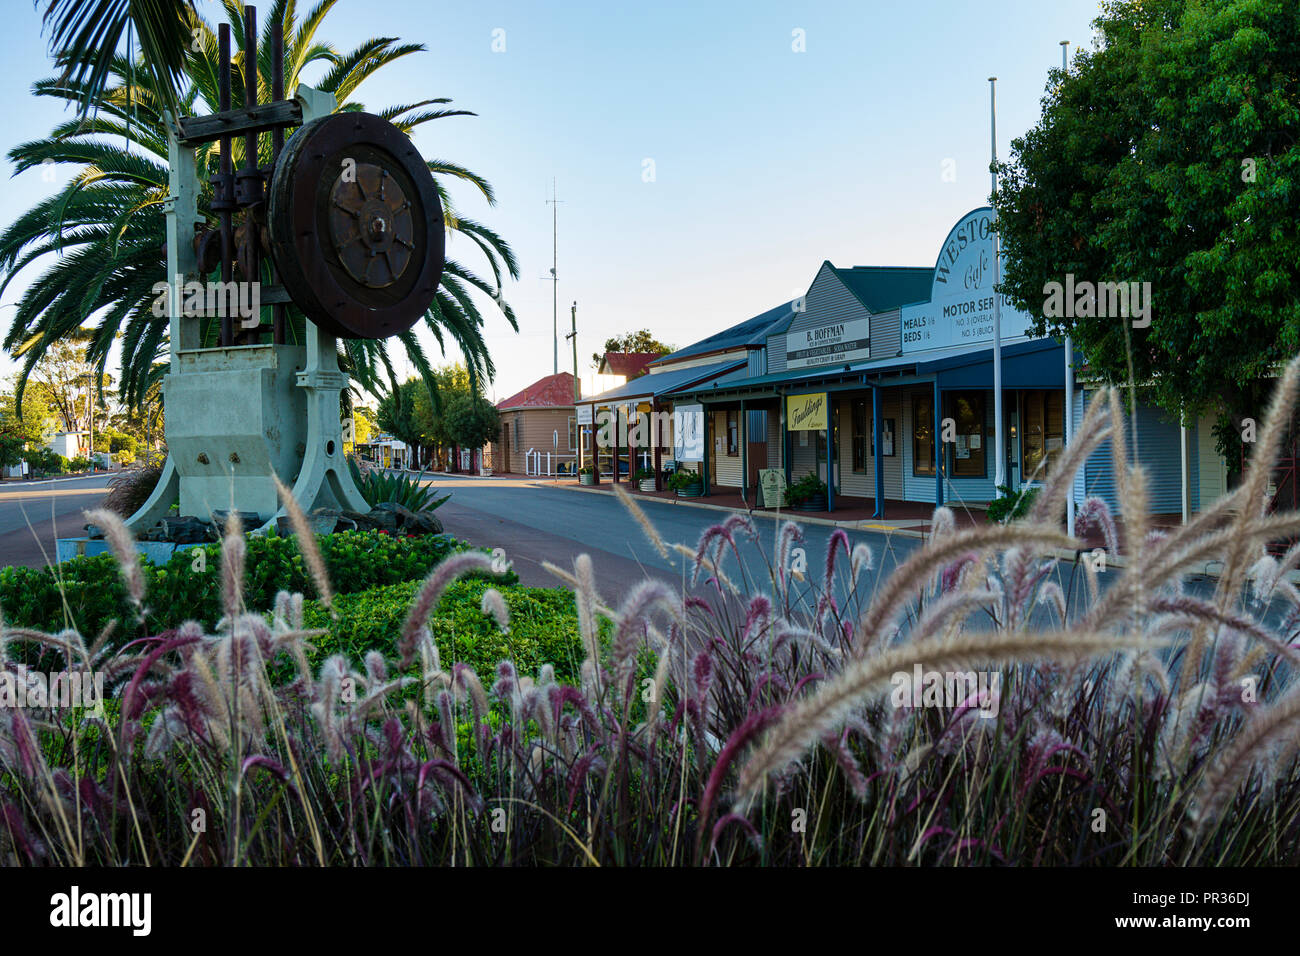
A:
1158, 453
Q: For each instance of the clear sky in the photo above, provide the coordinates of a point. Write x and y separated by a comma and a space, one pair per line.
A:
767, 159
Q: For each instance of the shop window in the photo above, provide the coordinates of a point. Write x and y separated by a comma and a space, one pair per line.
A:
861, 433
1042, 431
969, 450
923, 436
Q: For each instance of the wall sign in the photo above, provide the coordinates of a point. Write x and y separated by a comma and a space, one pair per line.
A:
960, 310
806, 413
584, 414
832, 344
688, 432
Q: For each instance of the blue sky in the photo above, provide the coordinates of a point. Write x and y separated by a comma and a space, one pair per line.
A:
766, 161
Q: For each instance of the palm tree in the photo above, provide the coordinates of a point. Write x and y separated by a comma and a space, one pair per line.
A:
85, 34
107, 229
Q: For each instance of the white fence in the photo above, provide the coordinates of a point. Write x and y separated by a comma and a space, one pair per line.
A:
548, 463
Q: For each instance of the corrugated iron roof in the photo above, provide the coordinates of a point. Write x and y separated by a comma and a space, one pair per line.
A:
553, 391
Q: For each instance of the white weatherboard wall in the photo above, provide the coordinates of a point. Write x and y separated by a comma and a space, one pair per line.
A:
775, 453
726, 467
1211, 469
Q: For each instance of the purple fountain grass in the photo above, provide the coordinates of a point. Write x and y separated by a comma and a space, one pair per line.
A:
447, 571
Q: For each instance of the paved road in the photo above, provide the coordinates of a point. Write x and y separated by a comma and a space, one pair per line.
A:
535, 523
34, 513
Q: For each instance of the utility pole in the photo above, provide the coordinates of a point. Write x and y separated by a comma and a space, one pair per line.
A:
573, 317
555, 278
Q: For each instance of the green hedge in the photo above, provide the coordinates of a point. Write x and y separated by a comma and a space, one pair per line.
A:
543, 627
178, 591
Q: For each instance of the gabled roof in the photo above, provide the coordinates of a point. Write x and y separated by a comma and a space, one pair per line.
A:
554, 391
882, 288
752, 332
661, 383
630, 364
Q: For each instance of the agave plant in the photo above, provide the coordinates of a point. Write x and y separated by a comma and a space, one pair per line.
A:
105, 228
378, 486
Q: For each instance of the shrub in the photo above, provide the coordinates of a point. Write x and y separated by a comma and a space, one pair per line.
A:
644, 474
804, 489
131, 488
543, 626
80, 463
681, 480
43, 461
188, 587
1011, 505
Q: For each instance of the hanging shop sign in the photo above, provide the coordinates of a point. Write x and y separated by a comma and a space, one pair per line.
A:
805, 413
688, 432
960, 310
832, 344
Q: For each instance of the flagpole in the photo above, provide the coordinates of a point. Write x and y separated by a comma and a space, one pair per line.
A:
1069, 379
999, 436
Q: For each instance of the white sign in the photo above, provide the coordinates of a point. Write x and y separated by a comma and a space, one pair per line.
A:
960, 310
688, 432
832, 344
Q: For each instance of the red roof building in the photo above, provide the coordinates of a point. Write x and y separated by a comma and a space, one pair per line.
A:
538, 423
628, 364
553, 391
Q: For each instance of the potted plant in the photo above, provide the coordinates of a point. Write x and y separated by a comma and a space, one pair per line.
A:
587, 475
807, 494
687, 484
645, 479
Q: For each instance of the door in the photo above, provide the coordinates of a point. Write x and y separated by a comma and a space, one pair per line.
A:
1011, 435
505, 447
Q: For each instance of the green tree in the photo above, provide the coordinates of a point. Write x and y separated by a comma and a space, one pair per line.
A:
639, 341
1170, 154
26, 430
471, 421
396, 414
107, 224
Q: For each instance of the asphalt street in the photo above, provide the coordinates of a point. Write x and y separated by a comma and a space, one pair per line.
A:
34, 513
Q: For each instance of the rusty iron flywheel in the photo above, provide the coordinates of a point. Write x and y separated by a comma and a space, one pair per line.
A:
356, 226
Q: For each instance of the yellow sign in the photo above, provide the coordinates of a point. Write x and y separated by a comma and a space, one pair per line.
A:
805, 413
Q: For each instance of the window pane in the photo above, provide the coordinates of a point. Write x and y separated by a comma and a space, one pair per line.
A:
969, 450
922, 435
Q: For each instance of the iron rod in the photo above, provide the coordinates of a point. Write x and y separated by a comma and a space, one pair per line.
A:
251, 235
226, 171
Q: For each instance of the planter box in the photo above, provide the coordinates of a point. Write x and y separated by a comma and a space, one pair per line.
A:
691, 491
586, 479
646, 484
815, 503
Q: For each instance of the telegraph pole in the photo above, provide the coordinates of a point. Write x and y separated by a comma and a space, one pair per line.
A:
555, 278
